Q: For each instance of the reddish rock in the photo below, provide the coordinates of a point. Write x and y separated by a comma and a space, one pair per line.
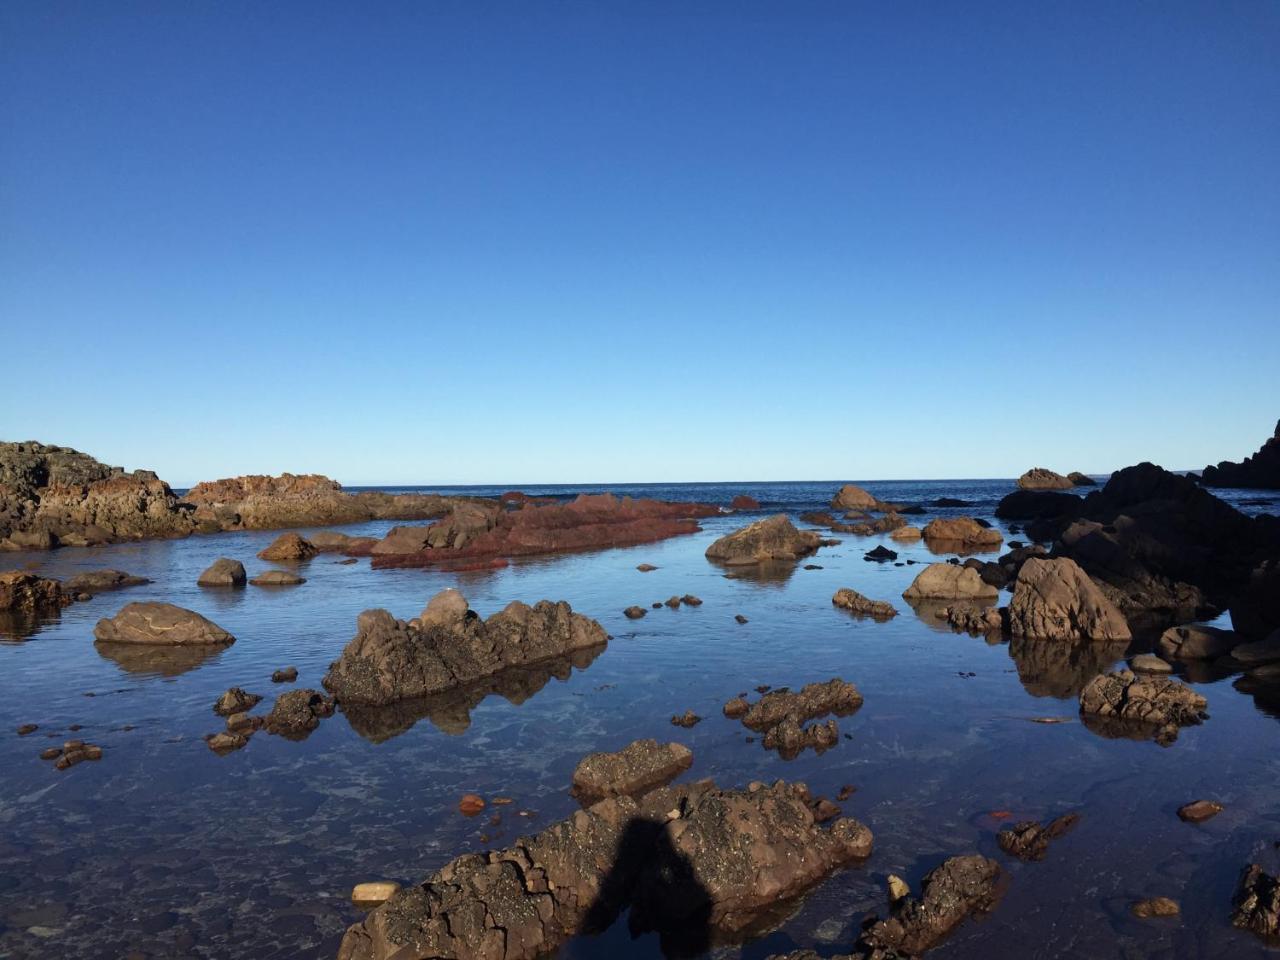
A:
744, 502
288, 546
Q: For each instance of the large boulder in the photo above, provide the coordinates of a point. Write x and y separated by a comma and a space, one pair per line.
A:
1039, 505
853, 497
1141, 706
160, 624
390, 660
637, 768
287, 547
223, 572
1055, 599
949, 581
961, 533
773, 538
1260, 471
1041, 478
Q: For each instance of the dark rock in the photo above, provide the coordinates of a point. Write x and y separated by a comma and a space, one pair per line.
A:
646, 568
950, 502
235, 700
298, 712
1257, 903
27, 729
1149, 707
223, 572
449, 645
1255, 611
100, 581
1081, 479
740, 618
973, 619
780, 715
1260, 471
285, 675
637, 768
1199, 811
881, 554
1197, 642
1039, 505
23, 593
160, 624
634, 613
856, 603
689, 600
686, 719
1030, 840
225, 741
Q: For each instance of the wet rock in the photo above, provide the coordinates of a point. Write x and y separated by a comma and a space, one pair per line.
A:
723, 859
235, 700
880, 554
856, 603
1055, 599
634, 613
161, 624
1260, 471
973, 619
740, 618
223, 572
673, 602
906, 534
637, 768
1030, 840
1052, 511
1197, 642
958, 888
297, 713
686, 719
226, 741
1040, 478
780, 715
288, 546
27, 728
1152, 706
372, 894
744, 502
689, 600
25, 593
1199, 811
77, 751
471, 804
960, 533
646, 567
243, 724
100, 581
736, 708
284, 675
1257, 903
945, 581
1155, 907
950, 502
277, 578
391, 660
51, 753
1149, 663
773, 538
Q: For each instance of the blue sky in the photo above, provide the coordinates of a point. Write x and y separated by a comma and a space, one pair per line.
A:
540, 242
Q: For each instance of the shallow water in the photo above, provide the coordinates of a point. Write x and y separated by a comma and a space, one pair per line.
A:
165, 849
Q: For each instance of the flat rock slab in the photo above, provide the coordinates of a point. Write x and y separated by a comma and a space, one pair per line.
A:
637, 768
161, 624
947, 581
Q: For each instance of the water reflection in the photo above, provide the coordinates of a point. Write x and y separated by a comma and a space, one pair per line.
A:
450, 712
767, 573
1061, 668
18, 625
157, 661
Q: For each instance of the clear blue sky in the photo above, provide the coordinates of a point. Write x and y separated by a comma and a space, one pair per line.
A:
490, 242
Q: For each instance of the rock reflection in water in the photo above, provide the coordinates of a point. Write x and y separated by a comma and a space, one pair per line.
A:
1061, 668
20, 625
157, 660
768, 573
451, 711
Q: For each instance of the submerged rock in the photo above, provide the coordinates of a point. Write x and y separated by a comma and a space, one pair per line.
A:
450, 645
634, 612
100, 581
947, 581
223, 572
288, 546
974, 619
1257, 903
1030, 840
1056, 600
1199, 811
1041, 478
284, 675
683, 855
1149, 663
637, 768
162, 624
744, 502
773, 538
1152, 707
1155, 907
277, 578
856, 603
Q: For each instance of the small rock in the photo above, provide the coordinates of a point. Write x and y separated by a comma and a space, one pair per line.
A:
27, 728
367, 895
689, 600
470, 804
736, 708
634, 613
740, 618
1150, 663
285, 675
50, 753
223, 572
235, 700
687, 719
1199, 811
646, 568
225, 742
1155, 907
673, 602
277, 578
898, 888
847, 791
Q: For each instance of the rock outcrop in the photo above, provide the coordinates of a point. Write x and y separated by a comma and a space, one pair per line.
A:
475, 535
1056, 600
25, 594
1260, 471
1081, 479
449, 645
773, 538
682, 856
637, 768
853, 497
160, 624
1041, 478
949, 581
1142, 707
744, 502
960, 534
856, 603
1257, 903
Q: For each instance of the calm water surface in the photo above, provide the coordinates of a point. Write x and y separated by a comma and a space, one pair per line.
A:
165, 850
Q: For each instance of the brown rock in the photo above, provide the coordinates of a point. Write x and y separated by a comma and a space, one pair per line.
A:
773, 538
947, 581
25, 593
637, 768
963, 533
470, 804
906, 534
235, 700
856, 603
286, 547
634, 613
744, 502
853, 497
101, 581
162, 624
285, 675
1039, 478
1055, 599
277, 578
1146, 706
1030, 840
686, 719
1155, 907
1199, 811
298, 712
223, 572
961, 886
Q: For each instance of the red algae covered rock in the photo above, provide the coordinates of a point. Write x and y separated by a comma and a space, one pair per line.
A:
473, 533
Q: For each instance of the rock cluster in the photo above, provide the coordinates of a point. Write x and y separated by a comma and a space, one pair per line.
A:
1055, 599
856, 603
780, 715
1261, 471
696, 854
161, 624
449, 645
1029, 840
773, 538
1141, 706
637, 768
973, 619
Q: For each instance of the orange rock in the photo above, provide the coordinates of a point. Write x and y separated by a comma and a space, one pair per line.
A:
471, 804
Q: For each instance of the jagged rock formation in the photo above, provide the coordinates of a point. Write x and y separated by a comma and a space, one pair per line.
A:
856, 603
26, 594
1054, 599
1029, 840
1261, 471
780, 715
1257, 903
1142, 707
449, 645
773, 538
682, 855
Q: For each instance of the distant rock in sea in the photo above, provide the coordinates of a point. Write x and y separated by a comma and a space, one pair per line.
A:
1260, 471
